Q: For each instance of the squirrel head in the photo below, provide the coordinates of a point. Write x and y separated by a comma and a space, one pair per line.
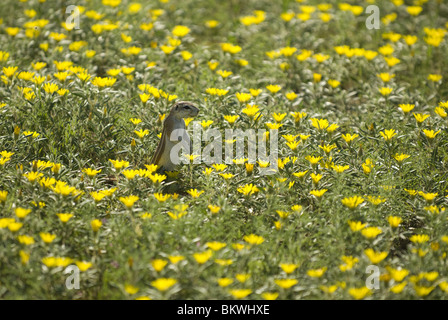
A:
184, 109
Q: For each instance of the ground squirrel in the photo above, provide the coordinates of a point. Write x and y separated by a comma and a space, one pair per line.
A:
175, 120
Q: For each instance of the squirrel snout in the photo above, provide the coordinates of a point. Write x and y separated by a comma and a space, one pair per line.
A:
195, 111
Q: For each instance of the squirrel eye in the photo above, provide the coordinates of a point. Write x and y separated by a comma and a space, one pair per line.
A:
187, 106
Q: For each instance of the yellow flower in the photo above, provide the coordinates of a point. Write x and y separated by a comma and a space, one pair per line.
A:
371, 232
255, 92
135, 121
242, 62
429, 197
211, 24
47, 237
419, 238
285, 283
240, 293
91, 172
156, 178
320, 124
163, 284
25, 75
129, 200
315, 177
327, 148
3, 195
64, 217
385, 91
103, 82
340, 169
388, 134
352, 202
51, 88
215, 246
349, 263
385, 77
356, 225
441, 112
248, 189
158, 264
317, 77
14, 226
329, 289
421, 117
214, 209
401, 157
83, 265
430, 133
414, 10
316, 273
24, 257
386, 50
203, 257
141, 133
406, 107
26, 240
444, 286
90, 53
334, 83
318, 193
224, 262
288, 267
243, 97
12, 31
224, 282
435, 77
291, 96
216, 92
253, 239
144, 97
21, 212
195, 193
397, 274
269, 295
273, 88
186, 55
251, 110
325, 17
96, 225
62, 92
9, 71
242, 277
224, 73
374, 256
287, 51
146, 215
118, 164
206, 123
180, 31
367, 166
313, 160
359, 293
392, 61
422, 291
175, 259
410, 39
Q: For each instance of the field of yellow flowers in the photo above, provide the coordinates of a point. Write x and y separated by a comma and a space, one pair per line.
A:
356, 209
